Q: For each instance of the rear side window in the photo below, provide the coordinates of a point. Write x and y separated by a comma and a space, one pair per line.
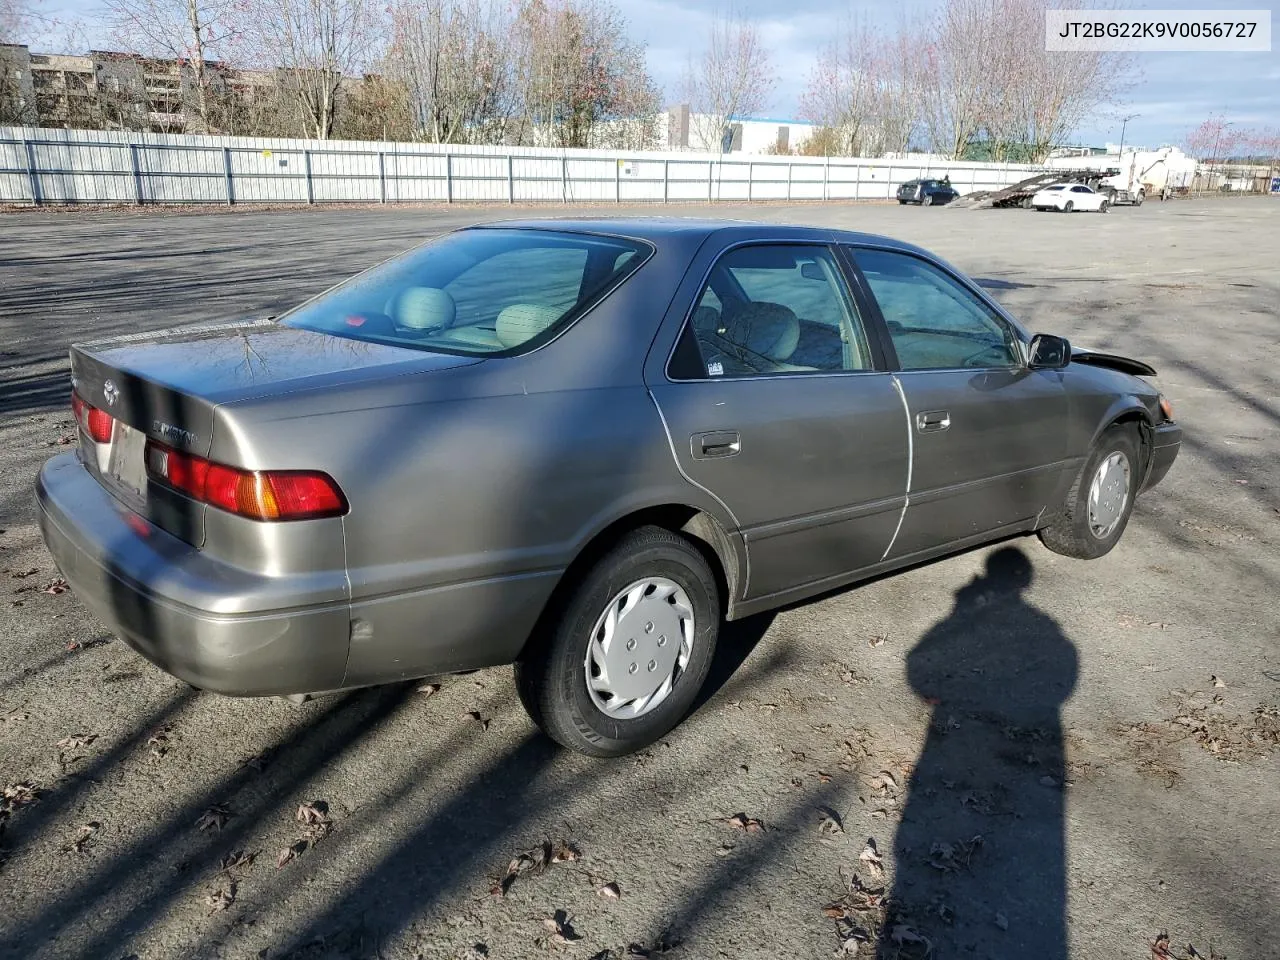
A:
476, 292
773, 309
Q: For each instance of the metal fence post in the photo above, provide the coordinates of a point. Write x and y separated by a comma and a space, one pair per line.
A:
226, 172
511, 179
306, 167
382, 177
564, 179
826, 178
137, 173
666, 181
790, 171
751, 181
711, 169
32, 177
448, 177
857, 181
617, 181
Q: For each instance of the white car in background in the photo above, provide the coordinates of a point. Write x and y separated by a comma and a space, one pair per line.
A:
1068, 197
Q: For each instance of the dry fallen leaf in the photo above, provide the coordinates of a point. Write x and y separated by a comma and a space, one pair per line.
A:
1218, 681
290, 853
475, 715
17, 795
314, 811
427, 689
238, 859
82, 838
877, 640
830, 823
562, 930
77, 740
220, 899
610, 891
55, 586
215, 818
1160, 947
871, 857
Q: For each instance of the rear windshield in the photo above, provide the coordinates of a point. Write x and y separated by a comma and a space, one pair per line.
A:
475, 292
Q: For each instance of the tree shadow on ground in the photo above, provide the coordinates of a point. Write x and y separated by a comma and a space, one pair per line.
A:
980, 852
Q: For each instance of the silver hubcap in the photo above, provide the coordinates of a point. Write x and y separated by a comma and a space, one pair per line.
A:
639, 647
1108, 494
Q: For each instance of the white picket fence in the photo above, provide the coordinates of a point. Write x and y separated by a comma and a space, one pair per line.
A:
48, 166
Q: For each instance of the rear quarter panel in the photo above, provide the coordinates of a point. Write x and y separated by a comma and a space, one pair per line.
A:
472, 489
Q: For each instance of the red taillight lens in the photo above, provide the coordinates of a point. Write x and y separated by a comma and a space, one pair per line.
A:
256, 494
96, 423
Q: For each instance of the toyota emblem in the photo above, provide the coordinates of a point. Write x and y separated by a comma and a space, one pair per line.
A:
110, 391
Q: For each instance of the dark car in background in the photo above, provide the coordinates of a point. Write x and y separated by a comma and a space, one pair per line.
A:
927, 192
578, 446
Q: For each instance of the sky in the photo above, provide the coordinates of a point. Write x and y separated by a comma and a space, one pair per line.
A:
1174, 92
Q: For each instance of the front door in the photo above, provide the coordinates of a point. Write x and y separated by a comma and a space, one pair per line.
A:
988, 434
774, 403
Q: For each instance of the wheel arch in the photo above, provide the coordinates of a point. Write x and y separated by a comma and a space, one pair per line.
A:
705, 532
1129, 411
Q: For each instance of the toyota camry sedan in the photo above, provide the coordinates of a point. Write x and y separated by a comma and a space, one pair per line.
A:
578, 446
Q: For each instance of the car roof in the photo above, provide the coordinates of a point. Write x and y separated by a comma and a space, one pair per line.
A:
656, 229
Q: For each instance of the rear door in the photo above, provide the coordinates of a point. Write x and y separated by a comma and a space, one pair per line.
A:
989, 437
775, 401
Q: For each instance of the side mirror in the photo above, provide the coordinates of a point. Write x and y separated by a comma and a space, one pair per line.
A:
1048, 352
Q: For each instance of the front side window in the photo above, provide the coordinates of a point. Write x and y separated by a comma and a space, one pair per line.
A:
772, 309
476, 292
934, 321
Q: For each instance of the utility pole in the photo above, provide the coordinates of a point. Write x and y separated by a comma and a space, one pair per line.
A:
1217, 140
1124, 122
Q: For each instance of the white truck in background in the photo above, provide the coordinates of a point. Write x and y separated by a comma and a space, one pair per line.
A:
1134, 175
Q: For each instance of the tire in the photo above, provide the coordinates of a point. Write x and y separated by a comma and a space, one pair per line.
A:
1069, 207
902, 203
551, 676
927, 200
1137, 201
1073, 532
1103, 207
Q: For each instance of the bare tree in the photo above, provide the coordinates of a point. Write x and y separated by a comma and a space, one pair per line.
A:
315, 43
865, 89
733, 77
581, 80
450, 57
188, 31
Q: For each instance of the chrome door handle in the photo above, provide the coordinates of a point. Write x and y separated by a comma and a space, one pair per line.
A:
718, 443
933, 420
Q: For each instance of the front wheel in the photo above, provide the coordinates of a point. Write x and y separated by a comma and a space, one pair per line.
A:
626, 654
1098, 505
927, 201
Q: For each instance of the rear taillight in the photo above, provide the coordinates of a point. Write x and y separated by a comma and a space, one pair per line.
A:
96, 423
256, 494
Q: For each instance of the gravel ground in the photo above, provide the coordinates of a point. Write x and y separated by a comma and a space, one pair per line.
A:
1030, 756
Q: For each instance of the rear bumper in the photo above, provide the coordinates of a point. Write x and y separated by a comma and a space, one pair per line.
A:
169, 601
1166, 444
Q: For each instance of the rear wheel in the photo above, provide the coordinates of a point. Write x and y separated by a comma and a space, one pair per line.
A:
902, 203
626, 654
1102, 208
1069, 207
1098, 505
1137, 201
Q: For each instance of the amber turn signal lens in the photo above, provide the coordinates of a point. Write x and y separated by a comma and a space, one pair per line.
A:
1166, 407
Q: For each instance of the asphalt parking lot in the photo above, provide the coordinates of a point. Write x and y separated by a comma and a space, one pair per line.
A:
141, 818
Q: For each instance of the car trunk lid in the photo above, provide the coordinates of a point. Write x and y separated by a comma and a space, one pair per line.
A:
166, 386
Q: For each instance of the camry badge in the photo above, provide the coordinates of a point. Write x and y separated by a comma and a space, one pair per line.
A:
110, 391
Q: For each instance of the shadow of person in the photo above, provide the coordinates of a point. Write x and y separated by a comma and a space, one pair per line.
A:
980, 854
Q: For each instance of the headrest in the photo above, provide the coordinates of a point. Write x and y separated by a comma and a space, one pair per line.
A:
706, 319
769, 329
425, 308
521, 322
